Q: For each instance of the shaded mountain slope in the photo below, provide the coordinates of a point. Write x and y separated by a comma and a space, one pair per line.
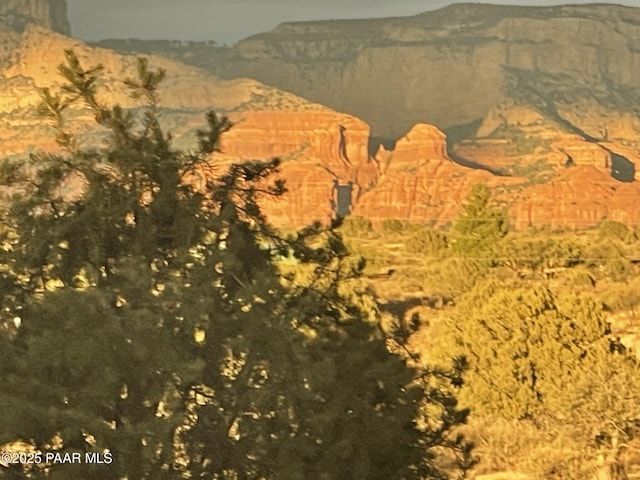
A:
447, 67
548, 161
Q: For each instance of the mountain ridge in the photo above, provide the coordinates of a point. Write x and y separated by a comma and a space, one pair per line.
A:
410, 63
17, 14
553, 149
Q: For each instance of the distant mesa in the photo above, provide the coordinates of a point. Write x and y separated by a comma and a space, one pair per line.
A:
16, 14
447, 67
515, 89
521, 99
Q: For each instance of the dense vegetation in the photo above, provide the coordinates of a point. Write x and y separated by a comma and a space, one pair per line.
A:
162, 323
539, 316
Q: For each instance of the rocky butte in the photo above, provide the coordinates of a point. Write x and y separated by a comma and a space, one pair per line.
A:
530, 101
448, 67
51, 14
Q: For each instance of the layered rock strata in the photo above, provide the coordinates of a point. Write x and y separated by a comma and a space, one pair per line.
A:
557, 167
52, 14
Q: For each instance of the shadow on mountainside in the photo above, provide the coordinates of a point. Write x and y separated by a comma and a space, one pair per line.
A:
453, 135
622, 169
465, 162
456, 134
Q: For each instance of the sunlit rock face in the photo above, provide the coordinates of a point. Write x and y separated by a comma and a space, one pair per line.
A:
417, 180
514, 87
520, 91
560, 166
185, 95
16, 14
448, 67
320, 151
319, 148
578, 198
329, 163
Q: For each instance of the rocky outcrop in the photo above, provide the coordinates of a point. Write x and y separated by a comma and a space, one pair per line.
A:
186, 88
418, 182
581, 197
415, 181
186, 93
447, 67
52, 14
560, 168
519, 90
471, 55
320, 150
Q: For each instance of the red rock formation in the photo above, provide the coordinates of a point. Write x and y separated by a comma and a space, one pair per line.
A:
577, 151
415, 182
310, 145
513, 137
422, 142
319, 147
581, 197
418, 182
300, 136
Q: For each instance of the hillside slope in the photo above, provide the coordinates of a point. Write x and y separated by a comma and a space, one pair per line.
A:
550, 162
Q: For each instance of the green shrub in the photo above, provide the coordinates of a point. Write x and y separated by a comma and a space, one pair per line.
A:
354, 226
454, 276
426, 241
617, 230
393, 226
534, 353
622, 297
479, 225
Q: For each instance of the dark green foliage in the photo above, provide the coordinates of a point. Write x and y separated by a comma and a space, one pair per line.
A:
172, 327
479, 224
356, 226
426, 241
538, 354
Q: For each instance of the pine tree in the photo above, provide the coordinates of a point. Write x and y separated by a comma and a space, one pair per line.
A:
479, 225
171, 327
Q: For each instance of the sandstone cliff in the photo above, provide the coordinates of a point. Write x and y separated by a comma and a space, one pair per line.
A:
418, 182
447, 67
319, 147
580, 197
16, 14
320, 151
553, 157
186, 94
519, 90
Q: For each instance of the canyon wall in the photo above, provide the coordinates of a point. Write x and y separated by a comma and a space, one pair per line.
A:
448, 67
518, 90
52, 14
552, 155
